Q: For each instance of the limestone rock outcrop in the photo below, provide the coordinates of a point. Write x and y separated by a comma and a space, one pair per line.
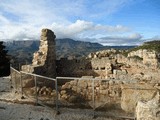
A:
44, 59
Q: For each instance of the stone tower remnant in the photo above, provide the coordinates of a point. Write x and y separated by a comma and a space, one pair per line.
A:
44, 60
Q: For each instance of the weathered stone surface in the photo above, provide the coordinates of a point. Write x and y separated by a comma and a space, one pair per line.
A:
41, 91
150, 58
109, 65
105, 92
149, 110
101, 54
131, 94
44, 59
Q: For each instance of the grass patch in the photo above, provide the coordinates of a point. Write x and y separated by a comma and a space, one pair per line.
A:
150, 46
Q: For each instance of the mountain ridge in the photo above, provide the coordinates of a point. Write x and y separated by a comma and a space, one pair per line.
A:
22, 51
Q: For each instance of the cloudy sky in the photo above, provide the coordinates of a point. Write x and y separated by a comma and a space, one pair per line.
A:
109, 22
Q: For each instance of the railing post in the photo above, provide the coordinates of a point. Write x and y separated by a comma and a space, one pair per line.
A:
15, 86
22, 97
35, 81
93, 100
56, 87
19, 66
11, 76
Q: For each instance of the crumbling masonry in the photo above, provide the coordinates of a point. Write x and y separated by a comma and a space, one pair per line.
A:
107, 64
43, 62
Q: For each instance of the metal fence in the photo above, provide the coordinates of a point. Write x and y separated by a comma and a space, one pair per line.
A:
86, 93
71, 95
16, 80
41, 89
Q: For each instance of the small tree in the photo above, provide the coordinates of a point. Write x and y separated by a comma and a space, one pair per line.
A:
4, 61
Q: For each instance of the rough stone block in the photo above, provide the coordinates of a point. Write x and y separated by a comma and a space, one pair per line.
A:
131, 95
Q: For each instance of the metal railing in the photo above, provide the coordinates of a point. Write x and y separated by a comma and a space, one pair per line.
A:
66, 79
15, 80
23, 82
20, 81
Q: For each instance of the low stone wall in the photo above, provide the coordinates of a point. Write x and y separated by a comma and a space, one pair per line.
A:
106, 93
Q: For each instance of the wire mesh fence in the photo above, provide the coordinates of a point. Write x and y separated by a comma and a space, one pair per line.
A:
112, 96
74, 92
16, 80
42, 89
28, 85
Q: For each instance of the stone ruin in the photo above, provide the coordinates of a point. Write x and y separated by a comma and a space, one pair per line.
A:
117, 69
102, 65
111, 64
150, 58
44, 60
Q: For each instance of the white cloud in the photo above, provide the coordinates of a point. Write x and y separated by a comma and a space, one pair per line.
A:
117, 28
106, 7
82, 29
77, 30
153, 38
3, 20
132, 39
32, 15
21, 20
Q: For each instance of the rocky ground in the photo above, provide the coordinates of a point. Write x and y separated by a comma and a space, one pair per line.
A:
13, 108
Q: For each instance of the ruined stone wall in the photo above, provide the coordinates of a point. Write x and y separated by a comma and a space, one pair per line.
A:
97, 67
129, 61
74, 68
101, 54
102, 63
44, 59
106, 93
103, 67
150, 58
108, 64
111, 93
136, 69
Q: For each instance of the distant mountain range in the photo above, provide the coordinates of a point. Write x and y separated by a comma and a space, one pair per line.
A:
22, 51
